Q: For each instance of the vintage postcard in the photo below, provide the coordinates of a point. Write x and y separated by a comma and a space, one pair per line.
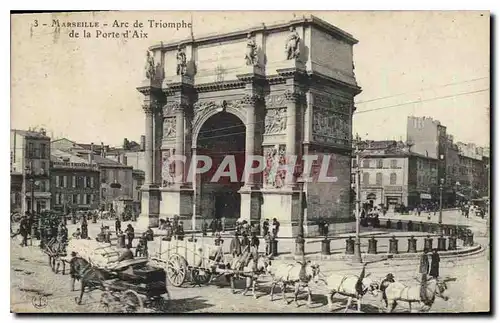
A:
243, 162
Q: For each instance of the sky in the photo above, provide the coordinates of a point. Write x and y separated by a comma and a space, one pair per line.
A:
432, 64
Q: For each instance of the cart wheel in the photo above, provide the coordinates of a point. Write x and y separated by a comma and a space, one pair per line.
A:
176, 270
107, 303
131, 302
200, 276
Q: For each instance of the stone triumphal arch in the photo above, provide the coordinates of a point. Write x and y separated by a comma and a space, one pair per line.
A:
275, 91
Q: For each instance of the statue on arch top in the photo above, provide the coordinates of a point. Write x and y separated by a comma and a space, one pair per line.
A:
181, 61
150, 66
292, 49
251, 53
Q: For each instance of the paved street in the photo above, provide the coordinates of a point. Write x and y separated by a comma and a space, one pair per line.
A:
31, 276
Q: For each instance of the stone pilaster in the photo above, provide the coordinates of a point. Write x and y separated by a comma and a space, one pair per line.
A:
291, 99
179, 143
150, 206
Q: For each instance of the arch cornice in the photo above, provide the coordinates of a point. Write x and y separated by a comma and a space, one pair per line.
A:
232, 107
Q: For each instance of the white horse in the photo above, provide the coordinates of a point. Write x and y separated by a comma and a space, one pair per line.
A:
298, 274
251, 272
352, 286
397, 291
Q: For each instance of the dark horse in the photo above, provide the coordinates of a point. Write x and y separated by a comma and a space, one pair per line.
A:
88, 275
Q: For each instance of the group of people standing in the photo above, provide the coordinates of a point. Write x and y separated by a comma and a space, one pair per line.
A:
173, 228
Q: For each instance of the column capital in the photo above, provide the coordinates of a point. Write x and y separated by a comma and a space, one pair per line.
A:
173, 108
291, 96
251, 99
150, 107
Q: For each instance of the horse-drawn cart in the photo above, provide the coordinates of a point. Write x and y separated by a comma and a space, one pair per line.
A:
128, 286
183, 260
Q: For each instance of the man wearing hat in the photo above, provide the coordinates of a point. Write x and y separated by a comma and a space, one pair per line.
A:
180, 231
235, 246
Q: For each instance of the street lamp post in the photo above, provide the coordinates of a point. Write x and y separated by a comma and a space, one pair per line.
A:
357, 242
441, 182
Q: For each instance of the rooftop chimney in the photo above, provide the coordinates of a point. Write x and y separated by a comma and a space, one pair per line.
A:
143, 143
91, 154
124, 159
102, 149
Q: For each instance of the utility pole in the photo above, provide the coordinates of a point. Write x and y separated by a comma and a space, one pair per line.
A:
357, 242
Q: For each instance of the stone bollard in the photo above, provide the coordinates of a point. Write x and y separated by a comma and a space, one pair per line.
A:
372, 246
452, 243
388, 224
441, 243
274, 247
121, 240
409, 226
428, 243
393, 245
412, 245
399, 225
349, 246
325, 246
300, 246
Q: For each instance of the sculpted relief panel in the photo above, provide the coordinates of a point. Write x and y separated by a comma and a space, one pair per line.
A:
275, 157
167, 169
331, 120
275, 121
169, 127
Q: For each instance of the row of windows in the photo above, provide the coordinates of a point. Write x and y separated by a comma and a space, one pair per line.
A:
81, 199
37, 152
380, 163
75, 181
379, 179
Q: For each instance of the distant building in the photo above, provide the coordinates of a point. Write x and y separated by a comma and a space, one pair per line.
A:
392, 174
30, 160
74, 182
115, 178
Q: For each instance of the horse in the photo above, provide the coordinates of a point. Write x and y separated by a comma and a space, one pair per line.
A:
352, 286
413, 293
56, 251
250, 271
88, 275
298, 274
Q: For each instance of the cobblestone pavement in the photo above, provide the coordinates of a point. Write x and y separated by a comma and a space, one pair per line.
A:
31, 276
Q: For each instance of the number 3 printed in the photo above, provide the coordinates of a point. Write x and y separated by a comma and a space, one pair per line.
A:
36, 23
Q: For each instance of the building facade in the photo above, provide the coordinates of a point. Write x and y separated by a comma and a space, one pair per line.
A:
30, 157
74, 183
241, 94
393, 175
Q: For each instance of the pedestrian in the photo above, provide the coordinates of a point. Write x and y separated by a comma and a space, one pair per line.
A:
130, 235
424, 263
267, 239
180, 231
434, 272
168, 231
23, 230
235, 246
213, 226
223, 224
149, 234
254, 230
204, 228
118, 225
254, 250
244, 241
275, 227
84, 226
265, 227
